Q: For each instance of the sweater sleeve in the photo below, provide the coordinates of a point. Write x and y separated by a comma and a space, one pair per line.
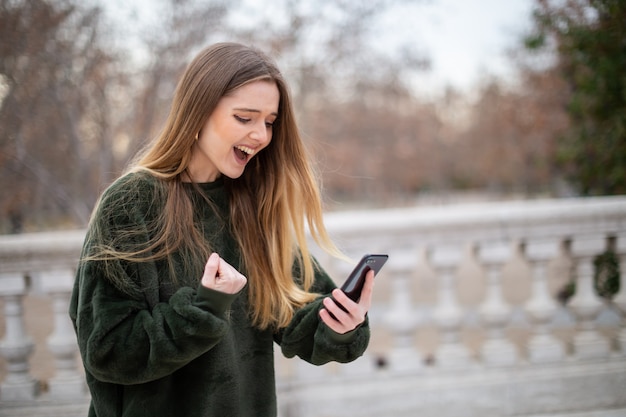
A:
126, 337
308, 337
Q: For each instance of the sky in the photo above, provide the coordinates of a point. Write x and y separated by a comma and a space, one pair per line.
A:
464, 39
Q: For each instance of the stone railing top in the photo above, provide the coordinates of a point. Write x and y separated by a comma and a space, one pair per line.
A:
510, 219
527, 219
47, 250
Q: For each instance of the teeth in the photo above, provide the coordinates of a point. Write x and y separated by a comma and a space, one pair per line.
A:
245, 149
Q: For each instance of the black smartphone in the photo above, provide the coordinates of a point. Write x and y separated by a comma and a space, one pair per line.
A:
354, 284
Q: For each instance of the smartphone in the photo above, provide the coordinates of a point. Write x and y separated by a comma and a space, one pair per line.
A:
354, 284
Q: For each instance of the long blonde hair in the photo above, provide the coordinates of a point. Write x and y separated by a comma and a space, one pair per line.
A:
271, 204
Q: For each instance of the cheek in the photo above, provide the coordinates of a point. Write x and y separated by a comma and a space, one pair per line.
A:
216, 140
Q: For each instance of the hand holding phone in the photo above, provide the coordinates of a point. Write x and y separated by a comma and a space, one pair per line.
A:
353, 286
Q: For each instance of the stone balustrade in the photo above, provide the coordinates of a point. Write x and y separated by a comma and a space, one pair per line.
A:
482, 310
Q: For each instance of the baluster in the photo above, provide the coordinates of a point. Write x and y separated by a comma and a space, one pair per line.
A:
67, 382
541, 308
497, 350
17, 346
619, 299
448, 314
401, 317
586, 304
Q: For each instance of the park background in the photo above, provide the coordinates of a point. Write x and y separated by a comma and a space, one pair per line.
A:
401, 102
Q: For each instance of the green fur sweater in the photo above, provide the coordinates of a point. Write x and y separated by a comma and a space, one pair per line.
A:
157, 345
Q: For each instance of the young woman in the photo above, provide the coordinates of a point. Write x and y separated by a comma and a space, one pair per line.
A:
196, 261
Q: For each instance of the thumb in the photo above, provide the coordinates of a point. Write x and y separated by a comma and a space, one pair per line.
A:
212, 265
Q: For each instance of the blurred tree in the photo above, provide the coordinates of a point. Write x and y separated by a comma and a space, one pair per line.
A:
54, 116
512, 135
76, 102
168, 44
589, 37
353, 100
323, 49
78, 96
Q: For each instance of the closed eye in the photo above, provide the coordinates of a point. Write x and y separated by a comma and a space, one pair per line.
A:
241, 119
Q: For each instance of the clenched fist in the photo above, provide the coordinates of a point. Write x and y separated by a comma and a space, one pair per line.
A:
219, 275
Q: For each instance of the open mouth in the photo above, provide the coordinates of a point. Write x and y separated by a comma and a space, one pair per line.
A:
243, 152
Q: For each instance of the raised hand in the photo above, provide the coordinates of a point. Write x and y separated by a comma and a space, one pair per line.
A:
219, 275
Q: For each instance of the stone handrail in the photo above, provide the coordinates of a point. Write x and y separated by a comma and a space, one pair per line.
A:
470, 291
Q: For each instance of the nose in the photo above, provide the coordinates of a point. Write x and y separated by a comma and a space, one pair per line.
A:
261, 133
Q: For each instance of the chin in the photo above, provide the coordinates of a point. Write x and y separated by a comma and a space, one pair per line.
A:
233, 175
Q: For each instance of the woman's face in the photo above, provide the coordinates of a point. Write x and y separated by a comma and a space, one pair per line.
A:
238, 129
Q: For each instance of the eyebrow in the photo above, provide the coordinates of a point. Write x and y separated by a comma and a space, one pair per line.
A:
245, 109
